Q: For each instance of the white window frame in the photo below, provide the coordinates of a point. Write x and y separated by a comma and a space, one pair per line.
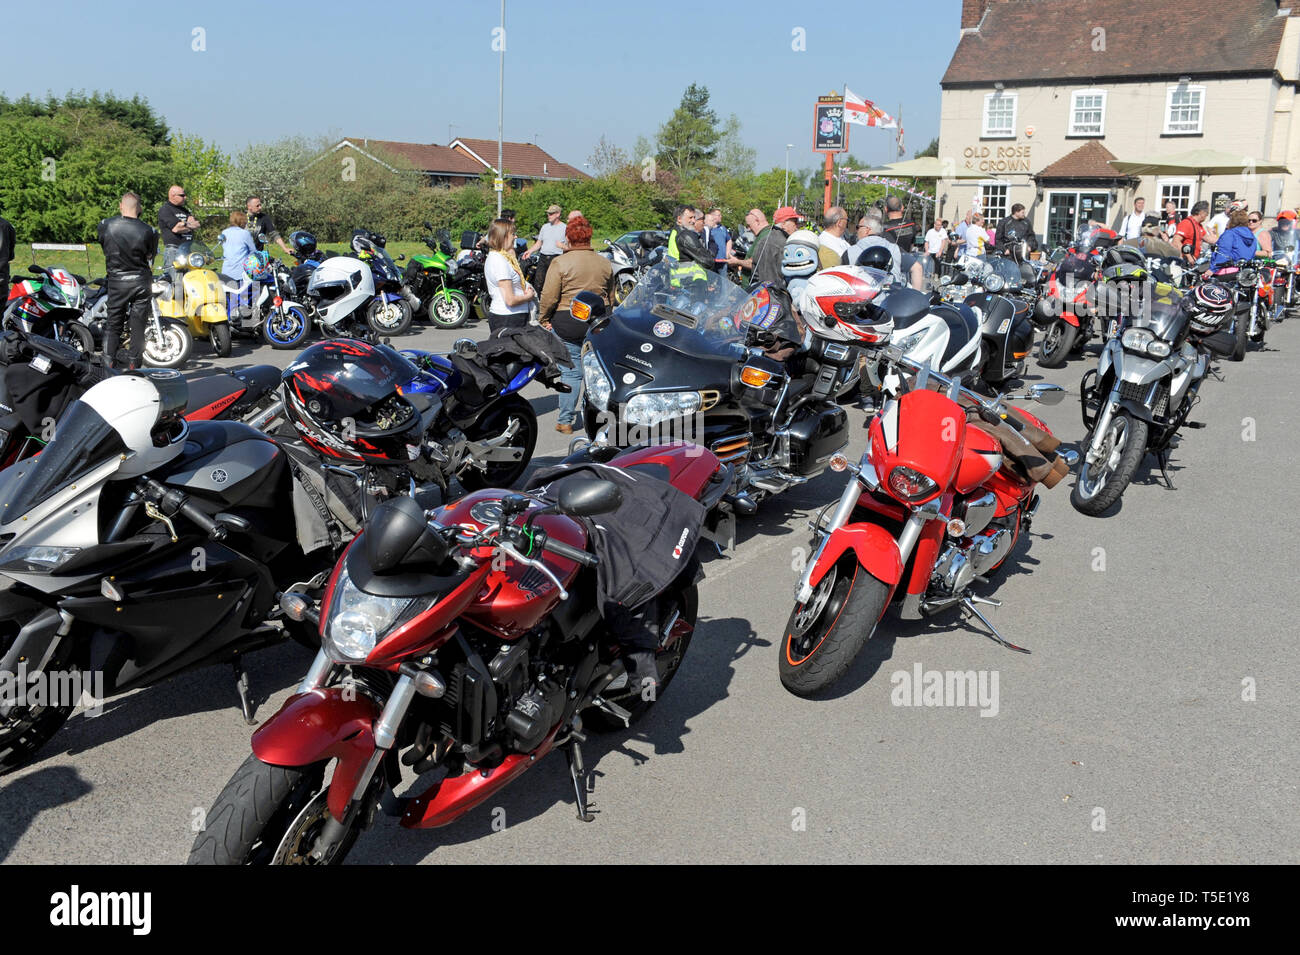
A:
1187, 181
1010, 133
1169, 105
1074, 110
990, 221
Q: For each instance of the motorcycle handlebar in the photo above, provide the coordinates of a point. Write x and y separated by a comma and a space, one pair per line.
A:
174, 501
566, 550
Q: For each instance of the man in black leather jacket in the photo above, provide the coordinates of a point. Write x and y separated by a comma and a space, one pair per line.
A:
684, 243
129, 249
1013, 230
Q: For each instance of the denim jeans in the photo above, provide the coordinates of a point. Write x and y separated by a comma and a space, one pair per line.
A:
573, 378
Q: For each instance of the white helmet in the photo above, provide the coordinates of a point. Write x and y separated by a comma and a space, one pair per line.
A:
799, 260
147, 410
341, 283
838, 304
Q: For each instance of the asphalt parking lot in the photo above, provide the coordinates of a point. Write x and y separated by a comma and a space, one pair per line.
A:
1153, 722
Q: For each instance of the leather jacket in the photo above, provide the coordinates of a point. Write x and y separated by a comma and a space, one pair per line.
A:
129, 248
691, 248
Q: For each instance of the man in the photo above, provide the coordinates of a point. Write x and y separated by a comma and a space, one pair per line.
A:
1013, 230
832, 244
936, 243
684, 243
1284, 238
129, 248
176, 224
897, 228
8, 243
976, 238
1192, 232
1131, 226
718, 240
870, 232
575, 214
1152, 241
262, 227
764, 262
550, 244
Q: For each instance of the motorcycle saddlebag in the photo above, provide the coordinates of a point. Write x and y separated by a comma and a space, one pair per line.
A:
327, 507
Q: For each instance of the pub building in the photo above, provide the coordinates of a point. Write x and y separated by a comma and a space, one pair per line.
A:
1041, 95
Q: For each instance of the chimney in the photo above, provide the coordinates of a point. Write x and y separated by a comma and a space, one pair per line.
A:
972, 13
544, 172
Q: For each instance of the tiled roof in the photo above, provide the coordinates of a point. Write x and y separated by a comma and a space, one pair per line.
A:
521, 159
1046, 40
1089, 161
431, 158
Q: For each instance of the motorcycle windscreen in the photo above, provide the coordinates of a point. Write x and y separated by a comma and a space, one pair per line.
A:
690, 308
83, 440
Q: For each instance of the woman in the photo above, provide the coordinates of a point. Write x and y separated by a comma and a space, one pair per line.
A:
1256, 223
577, 270
1237, 240
511, 297
236, 246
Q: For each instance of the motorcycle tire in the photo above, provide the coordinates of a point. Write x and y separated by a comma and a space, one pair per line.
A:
1242, 326
286, 328
173, 350
1058, 341
389, 326
668, 661
1123, 464
448, 311
78, 334
265, 816
502, 474
219, 335
27, 728
483, 304
1261, 325
623, 288
824, 636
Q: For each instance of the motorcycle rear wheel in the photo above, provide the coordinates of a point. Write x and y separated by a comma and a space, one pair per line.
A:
1058, 340
824, 636
1126, 445
269, 815
504, 473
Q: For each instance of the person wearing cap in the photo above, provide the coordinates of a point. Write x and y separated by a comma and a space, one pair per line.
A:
550, 243
1283, 238
1151, 240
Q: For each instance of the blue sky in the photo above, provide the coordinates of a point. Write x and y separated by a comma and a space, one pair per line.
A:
575, 70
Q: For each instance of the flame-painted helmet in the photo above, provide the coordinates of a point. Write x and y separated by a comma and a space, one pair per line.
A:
258, 266
839, 304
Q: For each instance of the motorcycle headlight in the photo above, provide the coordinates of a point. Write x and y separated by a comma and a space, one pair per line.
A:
36, 559
1158, 349
358, 620
654, 408
597, 382
197, 260
908, 484
1137, 339
451, 269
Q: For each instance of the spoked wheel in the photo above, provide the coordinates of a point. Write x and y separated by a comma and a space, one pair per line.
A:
389, 318
623, 288
1100, 485
825, 635
270, 815
1058, 339
286, 327
169, 349
450, 310
513, 411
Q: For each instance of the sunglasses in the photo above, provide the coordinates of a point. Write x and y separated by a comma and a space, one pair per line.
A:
1252, 220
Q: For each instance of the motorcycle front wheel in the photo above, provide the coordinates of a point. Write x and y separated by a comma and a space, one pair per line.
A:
1099, 486
286, 327
269, 815
25, 729
449, 310
825, 635
171, 349
388, 318
219, 334
75, 333
1057, 341
623, 288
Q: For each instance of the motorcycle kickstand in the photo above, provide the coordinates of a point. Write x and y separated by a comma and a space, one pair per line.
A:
578, 773
246, 703
1162, 459
968, 608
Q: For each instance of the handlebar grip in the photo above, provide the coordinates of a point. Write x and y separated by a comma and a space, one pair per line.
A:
993, 417
177, 502
572, 553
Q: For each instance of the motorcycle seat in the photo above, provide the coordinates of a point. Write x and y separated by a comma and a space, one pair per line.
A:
906, 305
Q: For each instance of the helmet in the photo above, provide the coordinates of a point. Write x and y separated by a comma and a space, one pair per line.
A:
258, 266
1123, 263
345, 398
147, 410
877, 257
1209, 305
1237, 205
800, 258
837, 304
62, 288
303, 242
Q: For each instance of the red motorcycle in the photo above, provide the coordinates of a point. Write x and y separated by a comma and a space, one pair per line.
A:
1068, 310
465, 641
937, 503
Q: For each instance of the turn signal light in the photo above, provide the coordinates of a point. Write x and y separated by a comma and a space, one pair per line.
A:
838, 462
580, 310
278, 301
755, 377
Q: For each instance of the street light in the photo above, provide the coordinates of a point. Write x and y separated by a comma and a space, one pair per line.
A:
501, 108
785, 199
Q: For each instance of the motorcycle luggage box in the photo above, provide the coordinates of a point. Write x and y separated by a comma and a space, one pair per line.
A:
469, 239
230, 463
816, 433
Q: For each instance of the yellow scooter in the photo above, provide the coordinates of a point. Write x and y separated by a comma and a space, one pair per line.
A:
194, 293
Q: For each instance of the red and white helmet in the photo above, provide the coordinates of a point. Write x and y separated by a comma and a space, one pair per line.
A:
837, 303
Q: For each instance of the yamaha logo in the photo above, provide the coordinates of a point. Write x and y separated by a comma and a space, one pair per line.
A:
219, 476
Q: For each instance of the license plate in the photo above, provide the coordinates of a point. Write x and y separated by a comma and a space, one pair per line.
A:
41, 364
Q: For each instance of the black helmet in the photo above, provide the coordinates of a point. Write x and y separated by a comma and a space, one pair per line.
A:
303, 242
877, 257
1209, 306
345, 398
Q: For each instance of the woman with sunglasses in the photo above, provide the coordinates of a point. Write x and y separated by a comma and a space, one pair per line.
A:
1256, 223
1238, 239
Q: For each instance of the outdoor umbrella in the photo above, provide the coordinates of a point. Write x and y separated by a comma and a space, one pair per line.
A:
927, 167
1200, 163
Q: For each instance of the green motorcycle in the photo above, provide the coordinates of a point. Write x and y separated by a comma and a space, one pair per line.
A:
433, 279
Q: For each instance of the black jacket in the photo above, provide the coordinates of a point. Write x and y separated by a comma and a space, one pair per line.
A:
691, 248
642, 546
129, 249
1011, 232
485, 374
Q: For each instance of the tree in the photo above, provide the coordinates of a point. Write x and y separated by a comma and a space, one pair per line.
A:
274, 171
930, 150
607, 159
201, 168
135, 113
687, 143
734, 157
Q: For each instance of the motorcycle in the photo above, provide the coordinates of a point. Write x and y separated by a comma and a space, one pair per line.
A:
1143, 388
630, 261
1002, 293
433, 280
1241, 279
50, 303
391, 310
261, 305
465, 639
167, 342
354, 296
933, 507
683, 362
1068, 311
130, 521
191, 292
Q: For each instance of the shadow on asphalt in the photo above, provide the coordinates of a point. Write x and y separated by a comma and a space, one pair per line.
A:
703, 681
25, 797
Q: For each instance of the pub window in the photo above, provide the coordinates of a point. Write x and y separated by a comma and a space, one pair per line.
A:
1000, 114
1184, 109
1088, 113
1180, 192
993, 200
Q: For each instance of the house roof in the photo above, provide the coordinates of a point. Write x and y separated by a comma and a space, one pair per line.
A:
431, 158
520, 159
1035, 41
1089, 161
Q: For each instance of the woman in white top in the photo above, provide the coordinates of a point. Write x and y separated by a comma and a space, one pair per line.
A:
511, 295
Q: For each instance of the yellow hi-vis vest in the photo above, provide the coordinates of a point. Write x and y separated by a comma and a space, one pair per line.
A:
681, 271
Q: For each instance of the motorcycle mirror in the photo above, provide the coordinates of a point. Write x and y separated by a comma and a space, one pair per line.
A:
400, 258
587, 498
1047, 394
465, 347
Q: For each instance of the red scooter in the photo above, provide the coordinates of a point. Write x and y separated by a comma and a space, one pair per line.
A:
936, 504
465, 642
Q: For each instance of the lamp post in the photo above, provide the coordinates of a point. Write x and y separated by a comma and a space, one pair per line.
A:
501, 106
785, 198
